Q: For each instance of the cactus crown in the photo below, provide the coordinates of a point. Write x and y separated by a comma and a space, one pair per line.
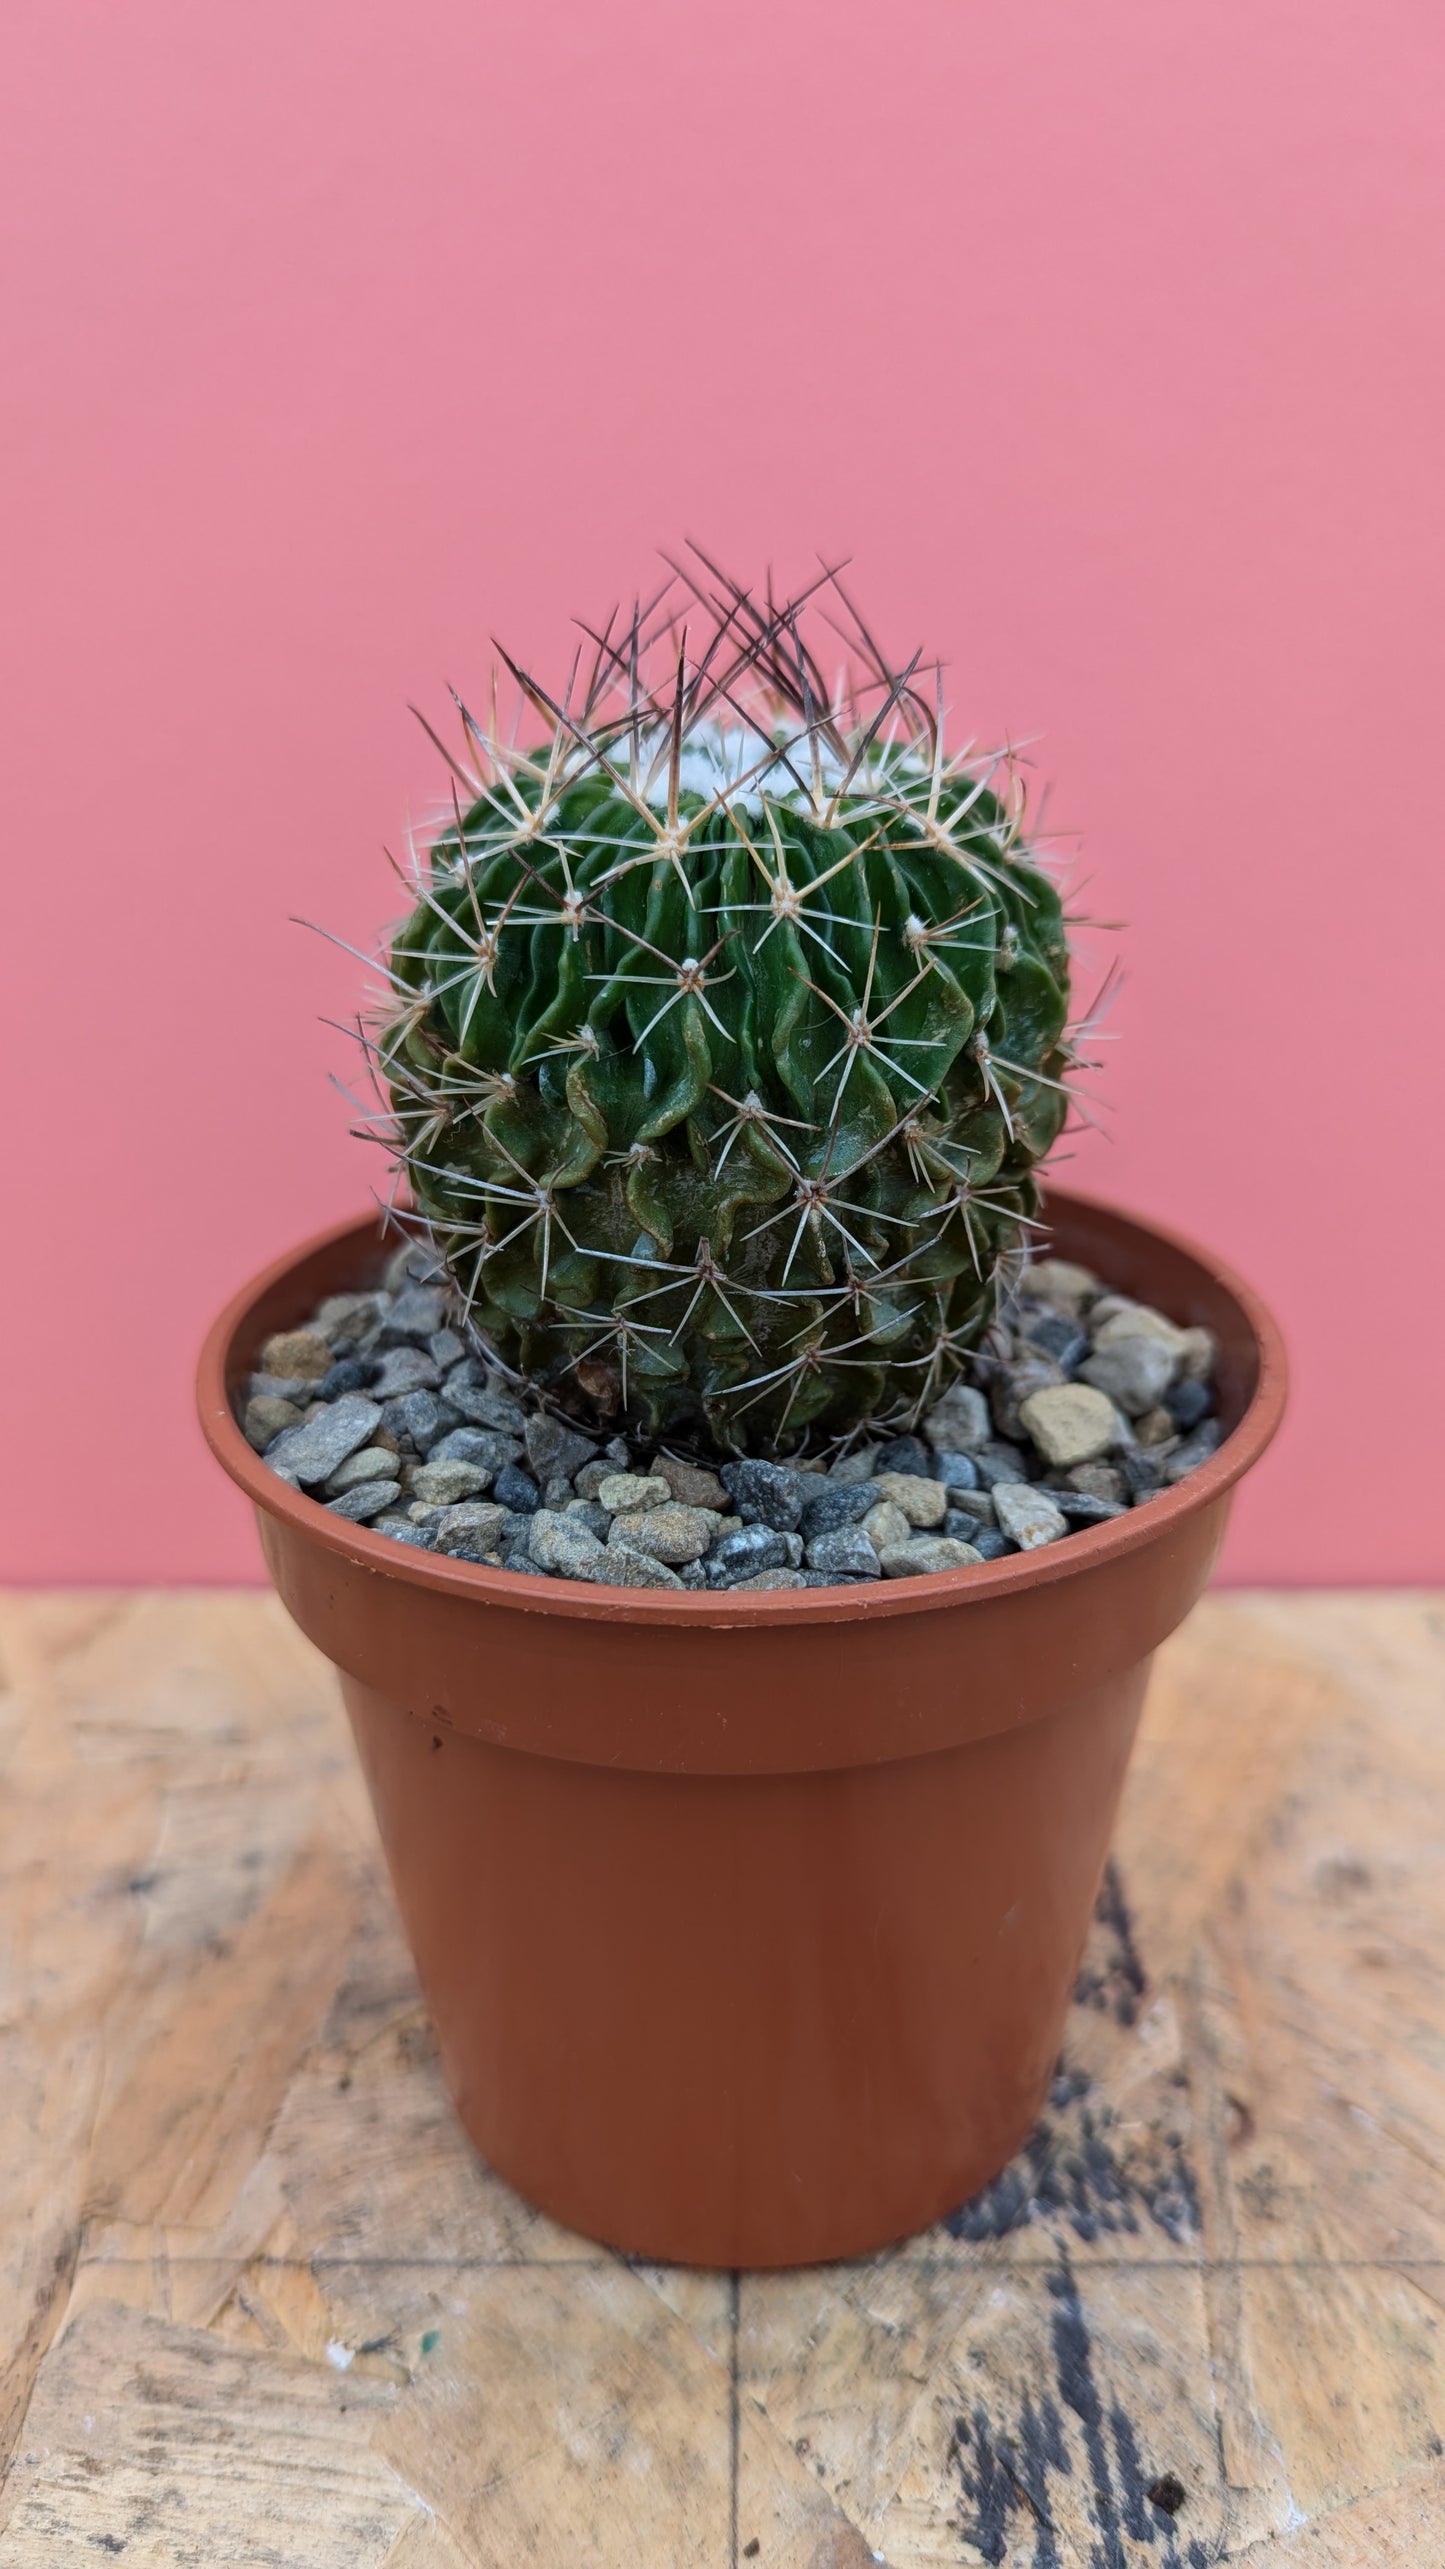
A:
728, 1027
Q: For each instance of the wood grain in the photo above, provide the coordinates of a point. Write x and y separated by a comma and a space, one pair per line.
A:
260, 2303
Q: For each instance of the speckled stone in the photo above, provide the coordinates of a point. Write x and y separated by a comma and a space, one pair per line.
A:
845, 1551
480, 1445
836, 1503
671, 1533
753, 1548
768, 1492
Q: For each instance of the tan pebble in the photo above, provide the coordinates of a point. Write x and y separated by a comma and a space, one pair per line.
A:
265, 1417
300, 1353
886, 1524
622, 1491
923, 1502
1200, 1355
1137, 1320
1156, 1427
1070, 1423
691, 1484
1061, 1284
925, 1557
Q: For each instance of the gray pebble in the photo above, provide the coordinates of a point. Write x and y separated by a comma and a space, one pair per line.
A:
773, 1495
559, 1543
1058, 1336
404, 1369
751, 1549
1135, 1372
627, 1568
905, 1454
956, 1471
1080, 1507
469, 1532
772, 1579
1030, 1516
960, 1422
850, 1468
587, 1512
401, 1530
517, 1490
366, 1500
315, 1449
517, 1526
417, 1418
481, 1445
990, 1545
999, 1462
344, 1315
589, 1480
369, 1463
444, 1484
445, 1349
418, 1312
557, 1492
961, 1527
844, 1551
349, 1374
1188, 1402
834, 1504
486, 1403
1143, 1472
554, 1449
1195, 1450
296, 1388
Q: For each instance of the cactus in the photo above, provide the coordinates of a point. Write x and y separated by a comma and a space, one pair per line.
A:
727, 1029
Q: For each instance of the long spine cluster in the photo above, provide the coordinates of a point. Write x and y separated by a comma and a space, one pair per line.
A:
727, 1025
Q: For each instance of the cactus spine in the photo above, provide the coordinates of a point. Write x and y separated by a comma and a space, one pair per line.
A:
727, 1029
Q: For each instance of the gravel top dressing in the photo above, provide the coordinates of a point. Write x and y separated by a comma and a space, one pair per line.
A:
1079, 1405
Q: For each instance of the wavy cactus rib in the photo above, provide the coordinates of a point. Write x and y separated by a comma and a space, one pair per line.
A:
727, 1031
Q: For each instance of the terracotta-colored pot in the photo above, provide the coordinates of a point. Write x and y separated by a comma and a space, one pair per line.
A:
748, 1922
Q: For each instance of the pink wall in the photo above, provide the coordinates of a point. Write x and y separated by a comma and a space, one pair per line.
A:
1106, 339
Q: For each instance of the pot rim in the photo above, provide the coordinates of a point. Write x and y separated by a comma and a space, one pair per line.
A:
1089, 1549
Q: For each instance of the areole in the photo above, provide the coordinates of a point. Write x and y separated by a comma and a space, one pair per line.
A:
747, 1922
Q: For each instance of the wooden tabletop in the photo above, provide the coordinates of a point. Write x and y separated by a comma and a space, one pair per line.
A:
262, 2304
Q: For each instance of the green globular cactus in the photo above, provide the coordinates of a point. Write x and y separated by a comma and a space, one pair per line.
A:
727, 1031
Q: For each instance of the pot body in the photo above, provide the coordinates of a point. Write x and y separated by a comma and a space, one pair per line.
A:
748, 1923
749, 2020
